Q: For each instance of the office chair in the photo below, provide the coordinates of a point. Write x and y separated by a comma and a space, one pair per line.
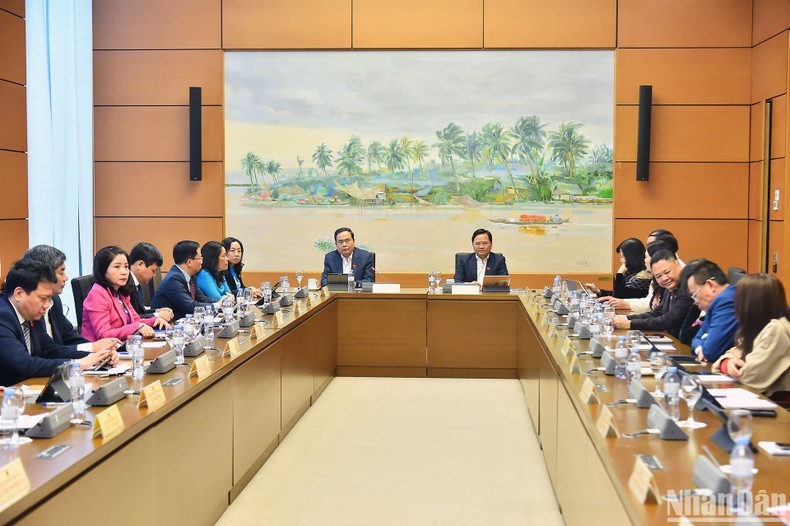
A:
735, 274
458, 257
80, 286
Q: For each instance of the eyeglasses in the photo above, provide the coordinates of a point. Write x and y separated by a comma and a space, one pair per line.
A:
199, 258
696, 292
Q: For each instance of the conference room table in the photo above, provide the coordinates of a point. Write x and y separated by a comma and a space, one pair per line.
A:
188, 459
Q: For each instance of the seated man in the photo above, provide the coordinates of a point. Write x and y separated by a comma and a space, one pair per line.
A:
712, 292
56, 325
24, 352
144, 260
347, 259
676, 312
482, 262
178, 290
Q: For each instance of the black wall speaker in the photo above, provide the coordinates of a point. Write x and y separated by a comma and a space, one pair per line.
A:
195, 134
643, 137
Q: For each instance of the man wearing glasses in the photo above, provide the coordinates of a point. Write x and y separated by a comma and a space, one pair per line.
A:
347, 259
712, 292
178, 290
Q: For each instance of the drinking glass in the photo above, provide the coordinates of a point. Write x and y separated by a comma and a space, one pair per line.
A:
740, 424
691, 390
632, 339
299, 277
200, 316
658, 364
438, 277
13, 407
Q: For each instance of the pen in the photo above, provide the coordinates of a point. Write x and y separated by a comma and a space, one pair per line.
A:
53, 404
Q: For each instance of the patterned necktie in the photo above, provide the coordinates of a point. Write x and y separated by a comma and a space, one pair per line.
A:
26, 332
192, 287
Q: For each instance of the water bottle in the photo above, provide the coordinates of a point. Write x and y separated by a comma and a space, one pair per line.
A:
431, 281
620, 359
741, 476
178, 343
634, 365
672, 392
8, 413
557, 287
227, 308
138, 357
208, 323
351, 281
595, 324
286, 284
189, 326
267, 293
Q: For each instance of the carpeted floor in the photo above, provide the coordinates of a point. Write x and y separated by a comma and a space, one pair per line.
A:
403, 451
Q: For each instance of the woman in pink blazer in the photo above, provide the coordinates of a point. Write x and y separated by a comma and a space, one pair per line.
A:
107, 310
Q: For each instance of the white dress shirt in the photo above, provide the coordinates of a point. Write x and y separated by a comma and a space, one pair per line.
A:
347, 269
481, 268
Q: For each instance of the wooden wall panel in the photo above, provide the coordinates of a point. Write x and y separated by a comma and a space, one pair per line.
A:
163, 232
756, 131
776, 235
13, 232
770, 18
778, 182
769, 68
686, 133
418, 24
13, 109
723, 241
709, 190
755, 234
153, 24
16, 7
156, 77
779, 127
679, 23
157, 189
558, 24
12, 42
684, 76
755, 189
286, 24
13, 181
153, 133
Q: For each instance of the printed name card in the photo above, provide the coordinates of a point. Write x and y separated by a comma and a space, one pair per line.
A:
278, 319
567, 347
575, 366
606, 425
325, 291
312, 300
200, 367
152, 396
642, 483
232, 348
588, 393
108, 423
13, 481
257, 331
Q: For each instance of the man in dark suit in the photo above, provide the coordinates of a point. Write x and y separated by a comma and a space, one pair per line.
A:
144, 261
178, 290
482, 262
347, 259
54, 323
24, 352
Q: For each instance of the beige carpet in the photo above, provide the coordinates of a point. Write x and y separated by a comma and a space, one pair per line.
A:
403, 451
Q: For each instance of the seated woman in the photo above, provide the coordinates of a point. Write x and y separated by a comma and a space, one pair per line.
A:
107, 311
761, 356
632, 279
235, 251
210, 279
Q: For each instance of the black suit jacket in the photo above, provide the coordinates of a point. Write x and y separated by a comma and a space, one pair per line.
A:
63, 332
676, 314
231, 281
173, 292
467, 267
16, 364
361, 265
137, 304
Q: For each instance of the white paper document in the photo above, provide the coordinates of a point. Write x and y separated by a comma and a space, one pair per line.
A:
154, 345
660, 347
113, 371
737, 398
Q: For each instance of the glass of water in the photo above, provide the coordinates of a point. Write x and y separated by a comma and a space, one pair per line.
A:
658, 364
691, 390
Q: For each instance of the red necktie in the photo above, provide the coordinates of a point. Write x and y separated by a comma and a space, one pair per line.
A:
192, 287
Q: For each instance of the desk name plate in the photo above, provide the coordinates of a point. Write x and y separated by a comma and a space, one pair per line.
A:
257, 331
567, 347
588, 392
606, 425
232, 347
642, 483
152, 396
108, 423
13, 481
200, 368
575, 366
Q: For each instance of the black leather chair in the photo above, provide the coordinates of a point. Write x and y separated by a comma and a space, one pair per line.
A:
458, 257
735, 274
80, 287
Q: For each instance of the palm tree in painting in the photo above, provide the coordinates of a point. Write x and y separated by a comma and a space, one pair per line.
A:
497, 145
300, 162
418, 153
375, 155
407, 144
473, 150
394, 156
322, 157
530, 140
601, 154
451, 143
274, 168
350, 157
250, 164
568, 145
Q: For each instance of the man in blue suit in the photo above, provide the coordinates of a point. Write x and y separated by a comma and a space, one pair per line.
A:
25, 352
711, 291
348, 259
482, 262
178, 290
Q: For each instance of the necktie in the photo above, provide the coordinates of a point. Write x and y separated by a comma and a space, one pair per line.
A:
192, 287
26, 332
140, 292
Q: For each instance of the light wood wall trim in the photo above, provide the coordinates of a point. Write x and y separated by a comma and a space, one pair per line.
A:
417, 24
12, 42
779, 126
756, 132
755, 189
560, 24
